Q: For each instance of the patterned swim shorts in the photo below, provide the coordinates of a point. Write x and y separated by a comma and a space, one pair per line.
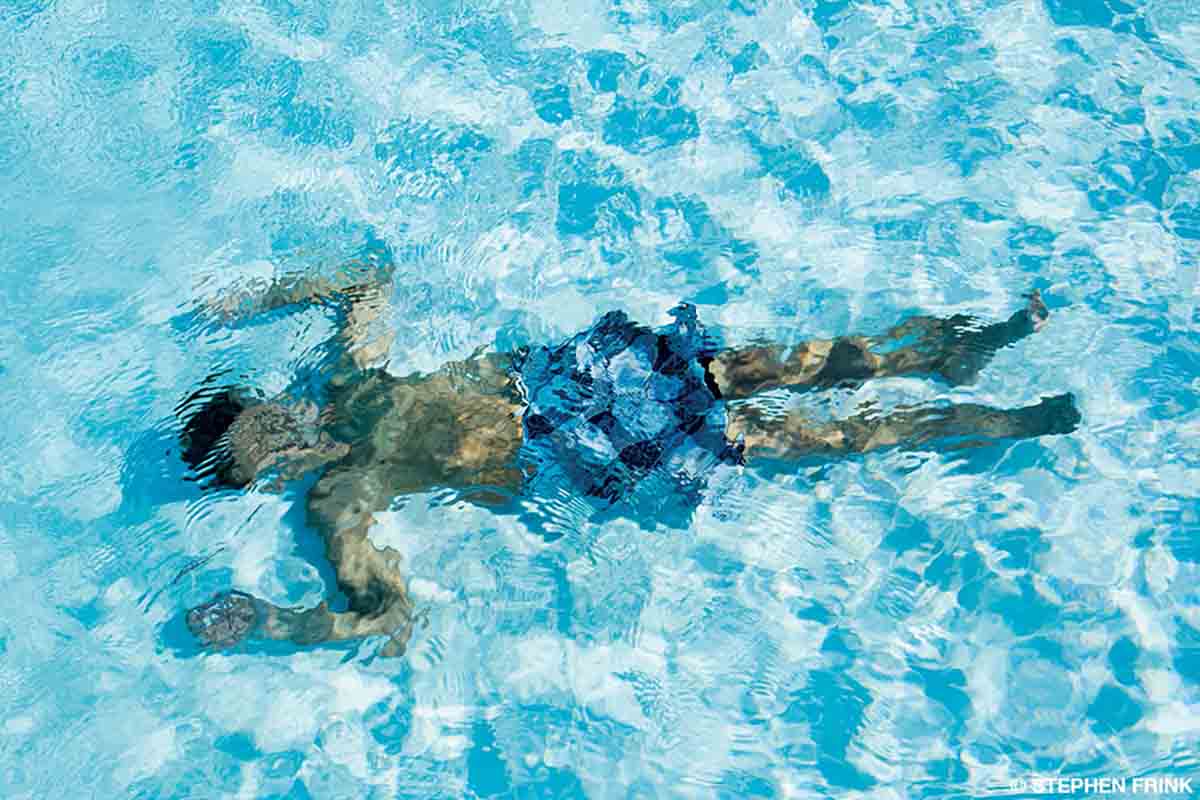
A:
618, 410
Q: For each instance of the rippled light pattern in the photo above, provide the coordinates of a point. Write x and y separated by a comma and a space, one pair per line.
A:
898, 625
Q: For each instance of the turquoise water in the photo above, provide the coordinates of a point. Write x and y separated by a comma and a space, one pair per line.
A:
898, 625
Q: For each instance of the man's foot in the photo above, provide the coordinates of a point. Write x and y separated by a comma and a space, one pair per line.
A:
224, 620
1036, 309
967, 347
1051, 417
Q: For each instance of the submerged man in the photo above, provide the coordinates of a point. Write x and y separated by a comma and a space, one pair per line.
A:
618, 412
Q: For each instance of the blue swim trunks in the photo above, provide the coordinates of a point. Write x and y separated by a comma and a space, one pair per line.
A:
622, 412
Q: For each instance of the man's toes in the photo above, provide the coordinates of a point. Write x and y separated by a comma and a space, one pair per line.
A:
224, 620
1036, 309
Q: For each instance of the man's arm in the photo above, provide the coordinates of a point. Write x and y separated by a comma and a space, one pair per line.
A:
357, 291
368, 576
249, 298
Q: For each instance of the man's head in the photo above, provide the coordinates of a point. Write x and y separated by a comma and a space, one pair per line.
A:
233, 438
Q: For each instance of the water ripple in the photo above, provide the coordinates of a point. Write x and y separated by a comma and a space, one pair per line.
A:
898, 623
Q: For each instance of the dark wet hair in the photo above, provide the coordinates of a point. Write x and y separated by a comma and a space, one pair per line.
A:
207, 415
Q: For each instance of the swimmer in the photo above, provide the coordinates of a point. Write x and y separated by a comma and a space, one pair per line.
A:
603, 411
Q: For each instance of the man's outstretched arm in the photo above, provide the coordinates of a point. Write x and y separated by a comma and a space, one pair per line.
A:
369, 577
245, 299
357, 291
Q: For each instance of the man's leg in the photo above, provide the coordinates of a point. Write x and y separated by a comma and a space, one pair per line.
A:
955, 349
340, 507
949, 427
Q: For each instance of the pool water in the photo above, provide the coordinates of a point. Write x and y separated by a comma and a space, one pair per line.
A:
902, 624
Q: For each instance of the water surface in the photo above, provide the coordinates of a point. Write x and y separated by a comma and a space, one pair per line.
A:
902, 624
